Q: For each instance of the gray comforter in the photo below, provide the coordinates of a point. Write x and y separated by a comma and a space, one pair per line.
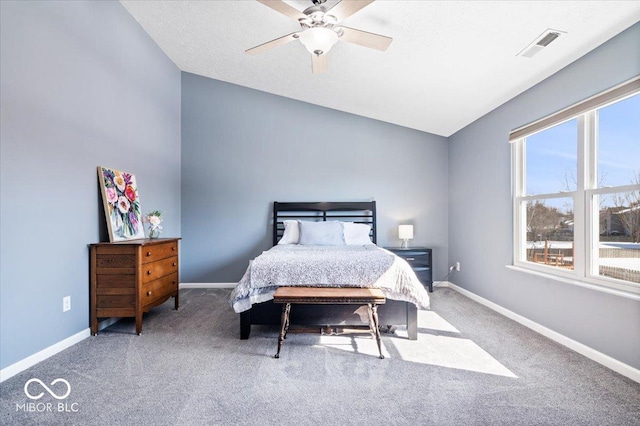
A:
331, 266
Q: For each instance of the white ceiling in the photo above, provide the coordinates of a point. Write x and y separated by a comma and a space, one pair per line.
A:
450, 62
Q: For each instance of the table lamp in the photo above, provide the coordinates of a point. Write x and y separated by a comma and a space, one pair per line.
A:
405, 233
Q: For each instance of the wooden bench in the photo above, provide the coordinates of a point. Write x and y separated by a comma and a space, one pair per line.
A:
372, 297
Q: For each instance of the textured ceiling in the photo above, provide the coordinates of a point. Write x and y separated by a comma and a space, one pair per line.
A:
450, 62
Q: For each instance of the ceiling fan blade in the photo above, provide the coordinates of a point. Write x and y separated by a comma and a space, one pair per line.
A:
271, 44
346, 8
363, 38
284, 8
319, 64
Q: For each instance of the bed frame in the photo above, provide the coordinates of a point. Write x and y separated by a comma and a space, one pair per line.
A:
393, 312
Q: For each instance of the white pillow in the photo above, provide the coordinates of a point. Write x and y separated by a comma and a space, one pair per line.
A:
356, 234
291, 233
321, 233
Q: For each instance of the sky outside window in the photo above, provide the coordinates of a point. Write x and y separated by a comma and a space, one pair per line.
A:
552, 159
619, 143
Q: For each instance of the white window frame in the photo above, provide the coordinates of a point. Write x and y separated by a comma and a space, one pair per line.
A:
586, 212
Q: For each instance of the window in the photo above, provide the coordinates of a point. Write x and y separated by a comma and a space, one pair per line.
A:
576, 178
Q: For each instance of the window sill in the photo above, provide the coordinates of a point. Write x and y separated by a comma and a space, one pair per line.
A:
579, 283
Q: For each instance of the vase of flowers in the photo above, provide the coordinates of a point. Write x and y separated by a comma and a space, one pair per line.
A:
154, 219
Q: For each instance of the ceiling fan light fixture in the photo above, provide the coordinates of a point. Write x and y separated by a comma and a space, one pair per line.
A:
318, 40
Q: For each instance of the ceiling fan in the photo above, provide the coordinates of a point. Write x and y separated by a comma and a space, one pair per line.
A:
319, 30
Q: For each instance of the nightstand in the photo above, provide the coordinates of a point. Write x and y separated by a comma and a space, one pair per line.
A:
421, 261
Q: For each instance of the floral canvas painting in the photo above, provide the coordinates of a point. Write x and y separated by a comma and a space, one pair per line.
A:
121, 204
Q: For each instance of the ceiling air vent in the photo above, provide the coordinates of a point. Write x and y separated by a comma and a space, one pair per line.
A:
542, 41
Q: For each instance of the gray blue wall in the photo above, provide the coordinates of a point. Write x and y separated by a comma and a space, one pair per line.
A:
243, 149
82, 85
480, 209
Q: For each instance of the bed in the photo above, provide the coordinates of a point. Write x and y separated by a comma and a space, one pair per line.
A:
353, 265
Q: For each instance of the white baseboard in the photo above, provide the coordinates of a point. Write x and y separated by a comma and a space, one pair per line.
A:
32, 360
609, 362
40, 356
208, 285
48, 352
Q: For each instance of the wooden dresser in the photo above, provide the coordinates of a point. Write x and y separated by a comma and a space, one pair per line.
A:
130, 277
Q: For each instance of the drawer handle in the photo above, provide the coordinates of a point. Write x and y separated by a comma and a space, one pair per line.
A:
148, 253
148, 272
149, 293
174, 263
411, 258
173, 248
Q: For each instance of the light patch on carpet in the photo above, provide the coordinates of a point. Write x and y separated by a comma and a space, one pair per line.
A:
437, 345
450, 352
445, 351
351, 343
433, 321
441, 351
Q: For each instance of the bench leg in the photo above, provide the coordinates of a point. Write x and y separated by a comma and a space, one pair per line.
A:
284, 326
373, 324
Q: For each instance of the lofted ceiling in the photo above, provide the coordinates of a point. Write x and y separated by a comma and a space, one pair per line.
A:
450, 62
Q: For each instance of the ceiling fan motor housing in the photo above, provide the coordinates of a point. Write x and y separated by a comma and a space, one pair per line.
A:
317, 16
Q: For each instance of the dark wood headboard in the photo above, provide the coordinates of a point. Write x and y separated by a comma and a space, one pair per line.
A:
357, 212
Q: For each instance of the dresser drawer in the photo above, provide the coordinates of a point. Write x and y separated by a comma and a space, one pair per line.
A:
159, 289
154, 252
155, 270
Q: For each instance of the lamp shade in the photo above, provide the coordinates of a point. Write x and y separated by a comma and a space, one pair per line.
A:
405, 232
318, 40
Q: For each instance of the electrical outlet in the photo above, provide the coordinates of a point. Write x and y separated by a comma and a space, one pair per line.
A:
457, 266
66, 303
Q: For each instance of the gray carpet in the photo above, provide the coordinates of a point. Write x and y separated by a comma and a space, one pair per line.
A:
470, 366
